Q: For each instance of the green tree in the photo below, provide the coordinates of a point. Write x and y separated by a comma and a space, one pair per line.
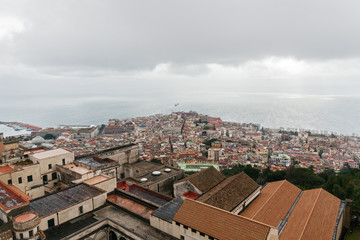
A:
49, 136
155, 160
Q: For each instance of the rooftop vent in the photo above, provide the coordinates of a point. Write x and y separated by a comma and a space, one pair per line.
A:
143, 179
156, 173
167, 170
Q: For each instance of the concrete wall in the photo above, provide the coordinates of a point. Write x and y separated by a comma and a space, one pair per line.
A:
177, 231
101, 230
246, 201
44, 221
26, 234
123, 155
107, 185
339, 228
44, 162
36, 192
3, 216
99, 200
183, 187
73, 211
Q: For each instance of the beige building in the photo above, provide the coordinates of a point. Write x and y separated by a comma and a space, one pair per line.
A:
65, 205
105, 183
47, 161
158, 178
9, 149
25, 177
12, 202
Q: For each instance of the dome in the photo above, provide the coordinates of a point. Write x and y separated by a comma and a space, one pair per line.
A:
37, 140
26, 221
25, 217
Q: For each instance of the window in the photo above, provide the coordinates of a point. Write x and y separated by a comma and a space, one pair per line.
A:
211, 238
50, 166
21, 236
30, 179
81, 209
20, 180
9, 182
45, 179
54, 176
122, 175
51, 223
31, 233
202, 234
193, 230
186, 227
182, 237
63, 161
178, 224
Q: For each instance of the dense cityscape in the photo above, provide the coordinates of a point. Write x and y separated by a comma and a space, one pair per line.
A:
192, 140
164, 167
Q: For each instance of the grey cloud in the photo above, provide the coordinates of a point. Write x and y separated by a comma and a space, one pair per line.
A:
140, 34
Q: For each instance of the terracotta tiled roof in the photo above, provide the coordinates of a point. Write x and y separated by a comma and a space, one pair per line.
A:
205, 179
314, 216
273, 203
230, 192
218, 223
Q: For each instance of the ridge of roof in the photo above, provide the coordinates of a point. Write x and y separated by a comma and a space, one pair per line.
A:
309, 216
282, 182
315, 214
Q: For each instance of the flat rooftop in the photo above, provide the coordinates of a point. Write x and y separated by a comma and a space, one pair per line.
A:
94, 161
135, 225
50, 153
77, 169
145, 194
11, 197
146, 166
131, 205
96, 180
55, 202
158, 178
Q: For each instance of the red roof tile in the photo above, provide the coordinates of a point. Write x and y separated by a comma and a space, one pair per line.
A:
218, 223
273, 203
314, 216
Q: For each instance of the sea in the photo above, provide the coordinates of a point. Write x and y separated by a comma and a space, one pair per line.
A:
331, 113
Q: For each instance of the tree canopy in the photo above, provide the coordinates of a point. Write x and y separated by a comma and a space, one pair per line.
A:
344, 185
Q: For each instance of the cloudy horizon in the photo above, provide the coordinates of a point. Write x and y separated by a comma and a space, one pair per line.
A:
70, 53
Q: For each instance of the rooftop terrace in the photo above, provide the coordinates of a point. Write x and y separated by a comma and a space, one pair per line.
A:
50, 153
77, 169
143, 193
131, 205
11, 197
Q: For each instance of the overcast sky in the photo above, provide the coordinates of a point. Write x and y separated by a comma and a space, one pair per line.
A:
81, 49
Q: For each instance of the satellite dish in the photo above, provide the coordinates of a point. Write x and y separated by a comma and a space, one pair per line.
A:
156, 173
